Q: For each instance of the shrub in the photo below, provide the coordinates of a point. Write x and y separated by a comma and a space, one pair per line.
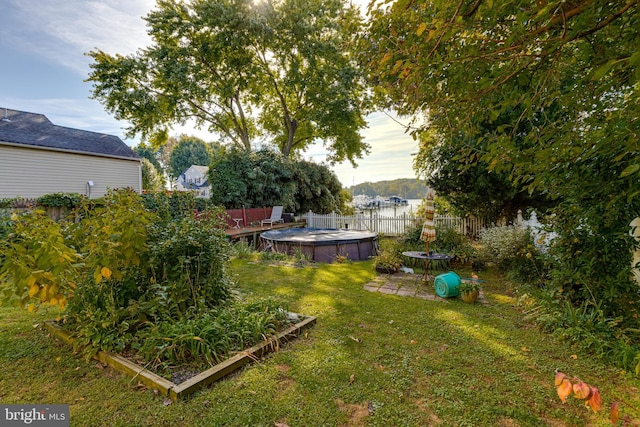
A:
66, 200
131, 277
448, 241
512, 249
191, 254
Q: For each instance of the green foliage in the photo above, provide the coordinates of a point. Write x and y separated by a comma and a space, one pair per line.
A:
67, 200
38, 267
571, 72
512, 248
210, 337
317, 189
587, 326
120, 269
275, 69
455, 171
267, 178
190, 255
151, 179
594, 263
388, 260
448, 241
187, 152
174, 205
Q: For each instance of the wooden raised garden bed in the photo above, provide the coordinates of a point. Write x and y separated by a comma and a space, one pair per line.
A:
179, 391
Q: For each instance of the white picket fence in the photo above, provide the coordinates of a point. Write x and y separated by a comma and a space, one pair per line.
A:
390, 225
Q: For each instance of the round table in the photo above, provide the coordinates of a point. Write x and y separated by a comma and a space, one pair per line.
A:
427, 256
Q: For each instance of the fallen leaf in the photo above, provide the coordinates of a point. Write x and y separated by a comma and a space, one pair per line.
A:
615, 413
559, 377
414, 342
595, 401
581, 390
574, 356
525, 349
355, 339
167, 401
99, 365
281, 425
155, 392
351, 379
58, 358
391, 322
564, 389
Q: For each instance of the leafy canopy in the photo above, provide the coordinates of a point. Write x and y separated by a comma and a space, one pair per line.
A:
571, 69
267, 178
276, 70
189, 151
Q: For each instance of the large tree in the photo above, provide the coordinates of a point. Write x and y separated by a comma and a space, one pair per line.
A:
572, 68
277, 69
189, 151
267, 178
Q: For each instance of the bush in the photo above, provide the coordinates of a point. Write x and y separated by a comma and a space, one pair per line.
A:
512, 249
117, 271
64, 200
448, 241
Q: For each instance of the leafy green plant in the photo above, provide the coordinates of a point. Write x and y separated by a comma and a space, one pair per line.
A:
38, 267
512, 248
448, 240
209, 337
387, 261
469, 286
67, 200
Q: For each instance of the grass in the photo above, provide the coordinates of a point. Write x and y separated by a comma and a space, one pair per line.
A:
371, 360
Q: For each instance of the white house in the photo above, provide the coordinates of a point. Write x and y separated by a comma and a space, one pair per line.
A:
38, 158
195, 179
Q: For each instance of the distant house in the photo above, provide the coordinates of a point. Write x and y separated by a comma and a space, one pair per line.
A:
38, 157
195, 179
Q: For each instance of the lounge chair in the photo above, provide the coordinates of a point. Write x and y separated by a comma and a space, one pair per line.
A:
276, 216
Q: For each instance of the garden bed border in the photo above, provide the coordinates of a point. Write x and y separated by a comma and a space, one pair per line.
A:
179, 391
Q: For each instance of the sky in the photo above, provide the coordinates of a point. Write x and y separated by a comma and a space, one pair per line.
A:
43, 67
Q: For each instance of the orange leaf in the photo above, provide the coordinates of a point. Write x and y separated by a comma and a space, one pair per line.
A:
559, 377
421, 28
564, 389
615, 413
595, 401
105, 272
581, 390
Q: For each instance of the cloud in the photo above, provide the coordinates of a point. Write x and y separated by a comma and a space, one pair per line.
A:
391, 154
63, 31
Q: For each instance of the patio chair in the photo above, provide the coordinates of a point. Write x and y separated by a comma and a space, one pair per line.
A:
276, 216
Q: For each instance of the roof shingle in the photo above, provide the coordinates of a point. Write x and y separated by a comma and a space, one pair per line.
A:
37, 131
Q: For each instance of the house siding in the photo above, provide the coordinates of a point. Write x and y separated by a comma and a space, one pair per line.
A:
62, 172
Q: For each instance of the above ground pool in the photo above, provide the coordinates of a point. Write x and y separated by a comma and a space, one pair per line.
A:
322, 244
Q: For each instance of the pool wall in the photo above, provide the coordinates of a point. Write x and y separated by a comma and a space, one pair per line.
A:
322, 245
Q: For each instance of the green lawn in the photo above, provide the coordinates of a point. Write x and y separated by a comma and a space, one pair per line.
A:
371, 360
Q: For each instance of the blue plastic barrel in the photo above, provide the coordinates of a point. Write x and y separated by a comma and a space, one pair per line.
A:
447, 285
